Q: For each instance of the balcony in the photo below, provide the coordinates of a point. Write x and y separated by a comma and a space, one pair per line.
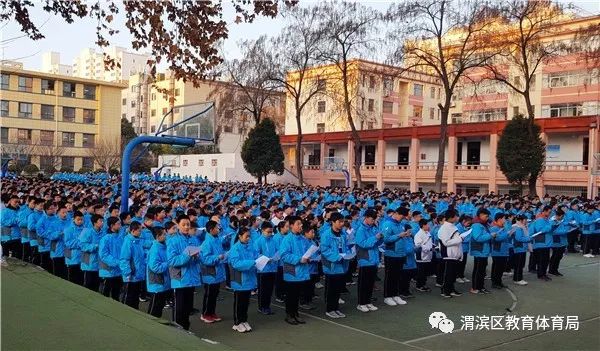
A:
565, 166
430, 166
395, 166
483, 165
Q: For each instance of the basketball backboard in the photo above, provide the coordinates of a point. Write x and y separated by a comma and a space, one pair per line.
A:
334, 164
195, 121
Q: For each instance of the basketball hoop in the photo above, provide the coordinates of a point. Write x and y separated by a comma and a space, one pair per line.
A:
334, 164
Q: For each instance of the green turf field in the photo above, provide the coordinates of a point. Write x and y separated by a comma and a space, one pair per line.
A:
38, 306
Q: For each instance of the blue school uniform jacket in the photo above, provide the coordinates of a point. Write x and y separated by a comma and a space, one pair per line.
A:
132, 260
520, 239
466, 240
243, 267
267, 246
394, 246
292, 250
72, 251
212, 268
587, 223
45, 225
411, 261
56, 237
9, 220
545, 226
367, 245
480, 240
22, 218
109, 253
34, 217
183, 269
314, 258
559, 234
89, 241
157, 279
501, 243
332, 247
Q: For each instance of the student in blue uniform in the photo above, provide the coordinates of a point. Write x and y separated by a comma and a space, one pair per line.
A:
184, 270
31, 227
543, 241
157, 281
44, 227
265, 245
283, 229
11, 233
480, 250
133, 266
559, 242
521, 242
463, 225
212, 258
109, 253
499, 250
409, 271
89, 240
72, 251
57, 244
242, 259
588, 225
24, 212
295, 269
394, 232
368, 240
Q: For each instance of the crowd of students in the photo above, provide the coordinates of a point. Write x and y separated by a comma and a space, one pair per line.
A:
283, 240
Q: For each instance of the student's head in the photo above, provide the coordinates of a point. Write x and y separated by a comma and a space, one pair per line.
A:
370, 217
483, 215
78, 218
337, 221
135, 228
161, 213
62, 211
465, 220
149, 219
97, 221
114, 224
309, 232
521, 219
183, 224
400, 213
451, 216
266, 228
283, 227
159, 234
295, 224
99, 209
546, 210
559, 214
416, 216
171, 228
113, 211
243, 235
212, 228
49, 208
423, 224
125, 218
499, 219
13, 201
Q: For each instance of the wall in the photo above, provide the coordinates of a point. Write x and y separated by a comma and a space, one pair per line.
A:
229, 167
571, 147
430, 149
391, 151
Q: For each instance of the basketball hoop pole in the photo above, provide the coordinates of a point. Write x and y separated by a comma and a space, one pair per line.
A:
126, 164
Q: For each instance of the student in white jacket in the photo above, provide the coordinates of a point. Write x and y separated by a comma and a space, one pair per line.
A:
424, 253
451, 250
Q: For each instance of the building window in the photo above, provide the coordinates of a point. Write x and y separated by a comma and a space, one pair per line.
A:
164, 111
48, 112
132, 103
89, 116
5, 84
68, 162
369, 125
320, 128
68, 139
321, 106
456, 118
388, 85
418, 111
133, 89
4, 111
68, 114
532, 82
152, 113
25, 110
47, 86
46, 137
214, 162
515, 111
24, 136
4, 136
124, 102
176, 92
418, 89
87, 162
564, 110
123, 115
322, 84
152, 129
423, 157
68, 89
89, 140
153, 96
371, 105
372, 82
488, 115
432, 92
431, 113
388, 107
185, 163
25, 84
228, 129
362, 103
200, 163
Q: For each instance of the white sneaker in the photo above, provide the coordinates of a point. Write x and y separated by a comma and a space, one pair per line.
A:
362, 308
319, 285
507, 273
332, 314
340, 314
460, 280
372, 307
341, 302
399, 300
239, 328
466, 280
390, 301
589, 256
521, 282
247, 326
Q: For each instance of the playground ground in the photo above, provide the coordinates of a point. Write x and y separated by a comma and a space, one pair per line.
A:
42, 312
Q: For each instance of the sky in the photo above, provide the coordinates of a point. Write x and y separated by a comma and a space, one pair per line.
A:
70, 39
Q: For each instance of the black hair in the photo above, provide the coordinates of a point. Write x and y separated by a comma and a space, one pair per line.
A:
335, 216
77, 214
422, 222
266, 225
210, 225
241, 232
112, 221
135, 225
96, 218
169, 225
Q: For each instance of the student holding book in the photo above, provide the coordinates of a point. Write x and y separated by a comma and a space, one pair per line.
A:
296, 270
158, 282
266, 245
242, 260
212, 258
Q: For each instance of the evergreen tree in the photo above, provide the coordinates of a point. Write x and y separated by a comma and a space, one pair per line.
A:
520, 155
262, 152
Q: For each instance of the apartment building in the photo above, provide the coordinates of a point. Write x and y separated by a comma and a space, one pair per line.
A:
53, 120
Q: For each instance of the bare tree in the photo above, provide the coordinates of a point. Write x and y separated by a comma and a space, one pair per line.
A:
444, 38
294, 69
348, 32
106, 154
52, 155
16, 152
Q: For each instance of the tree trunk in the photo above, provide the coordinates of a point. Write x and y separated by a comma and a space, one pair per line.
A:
531, 116
357, 158
355, 135
299, 148
439, 171
532, 186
